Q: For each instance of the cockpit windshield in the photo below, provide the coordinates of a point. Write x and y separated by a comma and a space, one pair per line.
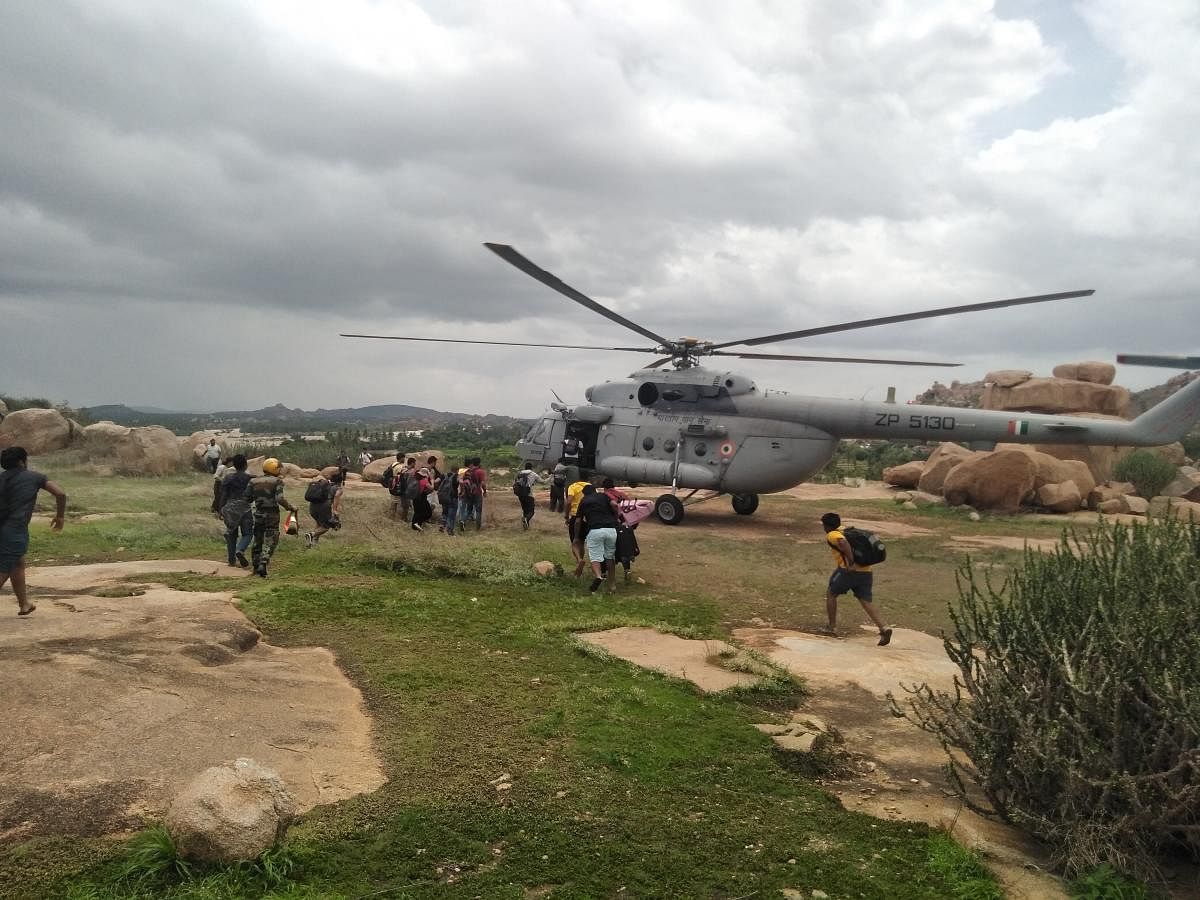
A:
539, 432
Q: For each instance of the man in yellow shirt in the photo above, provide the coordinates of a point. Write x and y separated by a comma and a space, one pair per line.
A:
848, 577
576, 527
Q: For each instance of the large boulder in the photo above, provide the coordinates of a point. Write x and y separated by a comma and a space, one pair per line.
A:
1093, 372
1000, 480
1057, 395
1060, 498
37, 430
1181, 486
150, 450
103, 438
1174, 508
944, 458
230, 813
1007, 378
422, 455
905, 476
3, 410
374, 470
1052, 470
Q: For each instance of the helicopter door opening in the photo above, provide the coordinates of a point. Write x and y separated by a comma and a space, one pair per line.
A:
586, 436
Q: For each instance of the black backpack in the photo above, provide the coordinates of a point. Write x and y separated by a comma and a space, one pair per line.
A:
399, 483
866, 546
448, 489
317, 491
389, 475
412, 486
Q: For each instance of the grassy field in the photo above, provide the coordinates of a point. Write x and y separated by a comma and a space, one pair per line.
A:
625, 783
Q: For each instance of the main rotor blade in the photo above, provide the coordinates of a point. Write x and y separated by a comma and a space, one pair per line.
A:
1167, 362
905, 317
512, 257
392, 337
839, 359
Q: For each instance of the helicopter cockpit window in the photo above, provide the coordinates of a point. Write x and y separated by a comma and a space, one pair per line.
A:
539, 433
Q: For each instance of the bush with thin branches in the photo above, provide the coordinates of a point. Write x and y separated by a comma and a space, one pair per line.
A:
1076, 711
1148, 472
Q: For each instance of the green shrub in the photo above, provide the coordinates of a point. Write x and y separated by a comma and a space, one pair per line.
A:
1148, 472
1078, 710
1105, 883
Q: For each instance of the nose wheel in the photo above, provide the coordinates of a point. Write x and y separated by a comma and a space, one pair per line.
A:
669, 509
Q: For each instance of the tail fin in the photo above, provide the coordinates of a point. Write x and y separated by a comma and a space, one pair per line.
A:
1170, 420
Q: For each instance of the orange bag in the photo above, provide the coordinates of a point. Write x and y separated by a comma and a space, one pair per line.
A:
292, 525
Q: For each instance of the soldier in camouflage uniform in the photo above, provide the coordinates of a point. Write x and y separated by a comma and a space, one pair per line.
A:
265, 494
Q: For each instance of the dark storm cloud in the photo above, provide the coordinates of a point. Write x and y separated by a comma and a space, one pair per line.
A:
335, 167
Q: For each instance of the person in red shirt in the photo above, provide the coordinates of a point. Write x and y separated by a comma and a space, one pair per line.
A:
480, 477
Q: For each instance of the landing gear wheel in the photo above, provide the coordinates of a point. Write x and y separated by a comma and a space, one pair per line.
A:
669, 509
745, 504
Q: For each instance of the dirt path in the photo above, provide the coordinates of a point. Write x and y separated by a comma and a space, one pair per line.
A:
113, 703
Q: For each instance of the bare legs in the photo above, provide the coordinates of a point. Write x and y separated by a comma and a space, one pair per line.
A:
17, 575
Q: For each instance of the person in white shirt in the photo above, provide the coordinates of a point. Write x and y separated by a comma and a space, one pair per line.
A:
523, 488
212, 455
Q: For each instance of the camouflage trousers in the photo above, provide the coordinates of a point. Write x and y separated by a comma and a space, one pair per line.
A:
266, 539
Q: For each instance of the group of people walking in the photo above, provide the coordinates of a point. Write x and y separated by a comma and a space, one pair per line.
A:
459, 493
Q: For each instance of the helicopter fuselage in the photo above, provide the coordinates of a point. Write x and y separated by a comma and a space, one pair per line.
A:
704, 429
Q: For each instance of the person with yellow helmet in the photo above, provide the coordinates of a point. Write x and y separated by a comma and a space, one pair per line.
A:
265, 494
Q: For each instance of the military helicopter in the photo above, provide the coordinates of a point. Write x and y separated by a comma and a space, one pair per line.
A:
715, 432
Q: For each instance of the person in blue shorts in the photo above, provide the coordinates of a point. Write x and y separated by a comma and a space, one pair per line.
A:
848, 578
19, 486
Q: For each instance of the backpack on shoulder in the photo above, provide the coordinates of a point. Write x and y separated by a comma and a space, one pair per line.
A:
470, 486
448, 489
521, 488
399, 485
389, 475
412, 486
317, 491
866, 546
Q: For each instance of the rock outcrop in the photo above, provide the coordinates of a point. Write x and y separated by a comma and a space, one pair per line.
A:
941, 461
1001, 480
149, 450
1057, 395
904, 476
374, 470
1094, 372
231, 812
37, 430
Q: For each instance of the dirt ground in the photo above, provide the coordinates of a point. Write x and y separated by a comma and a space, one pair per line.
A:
118, 694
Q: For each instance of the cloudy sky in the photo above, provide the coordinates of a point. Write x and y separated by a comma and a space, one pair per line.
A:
195, 198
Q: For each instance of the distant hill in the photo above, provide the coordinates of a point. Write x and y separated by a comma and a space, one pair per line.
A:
282, 418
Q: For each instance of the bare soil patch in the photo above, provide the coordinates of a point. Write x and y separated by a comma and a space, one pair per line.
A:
113, 703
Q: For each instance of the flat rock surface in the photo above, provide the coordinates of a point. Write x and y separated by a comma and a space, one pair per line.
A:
672, 655
113, 704
903, 776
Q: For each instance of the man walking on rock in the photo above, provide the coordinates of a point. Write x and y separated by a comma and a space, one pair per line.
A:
848, 577
19, 486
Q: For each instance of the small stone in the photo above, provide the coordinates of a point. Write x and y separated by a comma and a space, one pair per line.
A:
819, 894
559, 795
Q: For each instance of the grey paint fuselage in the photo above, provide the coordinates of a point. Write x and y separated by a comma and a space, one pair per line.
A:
706, 429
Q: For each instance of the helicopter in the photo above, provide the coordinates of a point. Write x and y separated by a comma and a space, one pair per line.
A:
713, 432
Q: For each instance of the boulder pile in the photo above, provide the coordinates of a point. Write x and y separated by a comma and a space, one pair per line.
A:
1059, 478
